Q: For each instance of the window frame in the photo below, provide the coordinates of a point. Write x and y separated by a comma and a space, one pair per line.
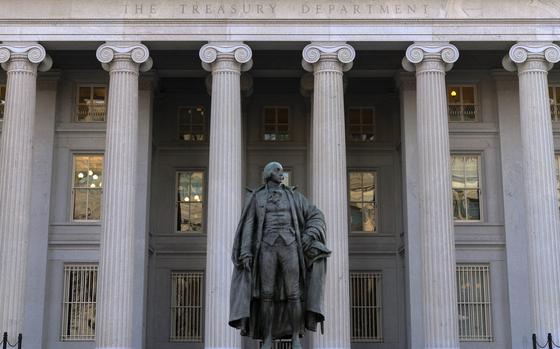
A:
378, 307
77, 102
202, 274
481, 206
65, 291
263, 123
348, 124
205, 130
72, 188
203, 202
488, 302
376, 231
475, 105
554, 102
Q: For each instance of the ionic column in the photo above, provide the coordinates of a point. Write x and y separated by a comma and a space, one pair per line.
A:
532, 61
430, 61
123, 61
327, 61
21, 60
225, 60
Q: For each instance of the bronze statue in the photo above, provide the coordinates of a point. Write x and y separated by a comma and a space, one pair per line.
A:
280, 256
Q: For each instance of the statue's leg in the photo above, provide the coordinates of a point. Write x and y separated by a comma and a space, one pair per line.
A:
290, 272
267, 265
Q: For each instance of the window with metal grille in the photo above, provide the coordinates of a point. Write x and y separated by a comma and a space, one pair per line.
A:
91, 105
190, 201
466, 187
87, 187
187, 289
554, 95
79, 302
475, 306
361, 124
276, 123
192, 123
461, 103
365, 306
363, 201
2, 100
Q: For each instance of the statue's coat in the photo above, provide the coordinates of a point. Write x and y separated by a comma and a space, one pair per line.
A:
308, 222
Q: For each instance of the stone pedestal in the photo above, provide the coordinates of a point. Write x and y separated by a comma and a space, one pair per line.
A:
21, 60
327, 61
532, 62
430, 61
123, 61
225, 60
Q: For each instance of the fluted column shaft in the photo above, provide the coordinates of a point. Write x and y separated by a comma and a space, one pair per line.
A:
21, 61
532, 61
328, 61
225, 176
430, 61
116, 261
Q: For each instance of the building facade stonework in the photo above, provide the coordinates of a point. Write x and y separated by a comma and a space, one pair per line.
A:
428, 132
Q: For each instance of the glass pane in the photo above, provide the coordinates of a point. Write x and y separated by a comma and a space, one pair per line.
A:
454, 94
94, 204
198, 116
196, 217
367, 116
354, 117
473, 205
282, 128
459, 209
269, 115
468, 94
368, 186
557, 94
471, 169
84, 95
287, 176
183, 221
95, 172
197, 186
356, 217
183, 187
80, 204
184, 115
368, 214
457, 172
81, 169
99, 94
282, 115
355, 186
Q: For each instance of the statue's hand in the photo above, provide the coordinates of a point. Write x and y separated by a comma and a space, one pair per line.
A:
247, 263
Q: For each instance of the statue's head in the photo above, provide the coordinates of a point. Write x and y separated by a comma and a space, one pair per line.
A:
273, 171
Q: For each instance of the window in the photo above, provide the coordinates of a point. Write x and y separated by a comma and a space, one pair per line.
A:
2, 100
276, 124
192, 123
365, 306
473, 297
465, 183
361, 124
554, 95
190, 201
363, 201
461, 103
79, 302
187, 289
91, 105
87, 187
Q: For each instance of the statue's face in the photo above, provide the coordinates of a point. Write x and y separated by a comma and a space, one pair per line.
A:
277, 174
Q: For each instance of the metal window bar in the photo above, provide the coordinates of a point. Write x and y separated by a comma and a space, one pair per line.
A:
186, 306
79, 302
463, 112
366, 309
474, 303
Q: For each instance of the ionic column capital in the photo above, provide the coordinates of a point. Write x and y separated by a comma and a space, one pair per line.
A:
238, 54
28, 54
531, 56
338, 52
124, 56
437, 55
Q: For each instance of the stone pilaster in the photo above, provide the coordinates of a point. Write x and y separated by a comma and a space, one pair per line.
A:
21, 60
327, 61
533, 60
225, 60
123, 61
430, 61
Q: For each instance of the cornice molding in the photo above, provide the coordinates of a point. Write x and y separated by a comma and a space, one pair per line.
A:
316, 51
